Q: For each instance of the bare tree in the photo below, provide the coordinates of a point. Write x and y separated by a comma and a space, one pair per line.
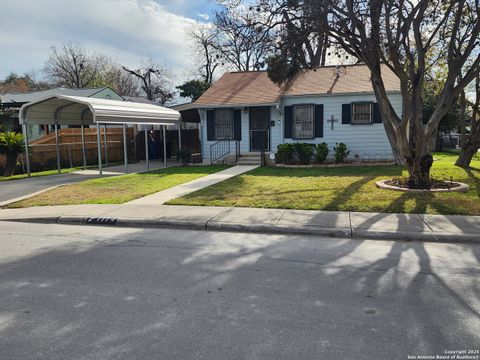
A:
301, 26
155, 80
241, 43
118, 80
206, 55
73, 66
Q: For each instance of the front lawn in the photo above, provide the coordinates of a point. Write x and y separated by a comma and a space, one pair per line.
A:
347, 189
118, 189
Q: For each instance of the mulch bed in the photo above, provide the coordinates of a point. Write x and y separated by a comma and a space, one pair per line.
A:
434, 184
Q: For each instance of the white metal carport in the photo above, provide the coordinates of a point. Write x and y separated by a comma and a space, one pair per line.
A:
74, 110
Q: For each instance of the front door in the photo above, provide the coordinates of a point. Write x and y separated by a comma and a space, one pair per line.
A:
260, 128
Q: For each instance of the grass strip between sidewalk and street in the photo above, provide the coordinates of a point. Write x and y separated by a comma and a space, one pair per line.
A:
118, 189
343, 189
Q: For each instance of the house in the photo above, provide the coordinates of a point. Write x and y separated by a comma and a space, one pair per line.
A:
14, 101
245, 113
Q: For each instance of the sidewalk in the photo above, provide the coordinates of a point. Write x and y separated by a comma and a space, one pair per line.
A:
162, 197
408, 227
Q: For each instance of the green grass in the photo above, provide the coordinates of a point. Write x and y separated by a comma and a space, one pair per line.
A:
118, 189
346, 188
39, 173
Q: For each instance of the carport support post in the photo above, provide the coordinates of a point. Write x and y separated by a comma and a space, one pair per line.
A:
105, 144
99, 147
147, 161
164, 147
125, 153
84, 153
57, 145
27, 155
180, 136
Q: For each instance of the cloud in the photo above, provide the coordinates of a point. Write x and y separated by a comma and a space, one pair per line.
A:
203, 16
128, 30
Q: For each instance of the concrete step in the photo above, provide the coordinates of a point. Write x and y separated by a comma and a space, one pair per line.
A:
253, 163
248, 158
248, 162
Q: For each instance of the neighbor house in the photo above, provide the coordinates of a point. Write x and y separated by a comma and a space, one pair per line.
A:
245, 112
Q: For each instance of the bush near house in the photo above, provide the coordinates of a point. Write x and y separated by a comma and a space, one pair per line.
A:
303, 153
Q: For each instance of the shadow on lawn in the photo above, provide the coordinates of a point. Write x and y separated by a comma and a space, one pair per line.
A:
374, 171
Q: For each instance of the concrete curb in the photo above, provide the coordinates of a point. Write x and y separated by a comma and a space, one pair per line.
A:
257, 228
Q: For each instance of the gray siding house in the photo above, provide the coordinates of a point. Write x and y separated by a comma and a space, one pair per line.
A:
332, 104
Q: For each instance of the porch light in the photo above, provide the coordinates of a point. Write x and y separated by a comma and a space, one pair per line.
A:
245, 110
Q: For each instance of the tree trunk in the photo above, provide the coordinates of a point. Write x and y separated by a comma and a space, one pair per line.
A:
467, 152
419, 171
10, 163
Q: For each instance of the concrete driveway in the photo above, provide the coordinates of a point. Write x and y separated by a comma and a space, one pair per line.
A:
76, 292
14, 189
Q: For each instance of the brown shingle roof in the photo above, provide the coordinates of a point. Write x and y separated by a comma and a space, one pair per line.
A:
241, 88
244, 88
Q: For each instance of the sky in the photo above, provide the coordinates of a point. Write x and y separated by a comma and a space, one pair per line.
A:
127, 30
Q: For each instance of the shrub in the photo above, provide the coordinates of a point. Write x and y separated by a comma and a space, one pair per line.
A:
285, 153
184, 156
11, 145
341, 152
322, 152
304, 152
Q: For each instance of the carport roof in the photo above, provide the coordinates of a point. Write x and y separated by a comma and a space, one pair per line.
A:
76, 110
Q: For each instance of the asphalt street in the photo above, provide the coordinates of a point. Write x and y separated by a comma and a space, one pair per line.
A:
85, 292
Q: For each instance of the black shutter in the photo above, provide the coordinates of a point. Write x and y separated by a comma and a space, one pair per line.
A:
319, 121
210, 125
237, 124
346, 113
377, 118
288, 115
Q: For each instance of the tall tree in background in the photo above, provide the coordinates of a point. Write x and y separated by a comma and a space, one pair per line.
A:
205, 54
27, 82
114, 77
193, 89
155, 81
241, 43
401, 35
73, 66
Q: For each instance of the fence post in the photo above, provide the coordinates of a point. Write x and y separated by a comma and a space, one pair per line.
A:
84, 154
57, 146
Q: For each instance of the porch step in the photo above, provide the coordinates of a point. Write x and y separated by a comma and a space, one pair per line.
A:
249, 159
245, 162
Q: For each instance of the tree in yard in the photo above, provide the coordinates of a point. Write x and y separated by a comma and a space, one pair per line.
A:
155, 81
206, 56
73, 66
402, 35
193, 89
471, 143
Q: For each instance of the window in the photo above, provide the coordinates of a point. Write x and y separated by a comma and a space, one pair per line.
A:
303, 119
362, 113
223, 124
